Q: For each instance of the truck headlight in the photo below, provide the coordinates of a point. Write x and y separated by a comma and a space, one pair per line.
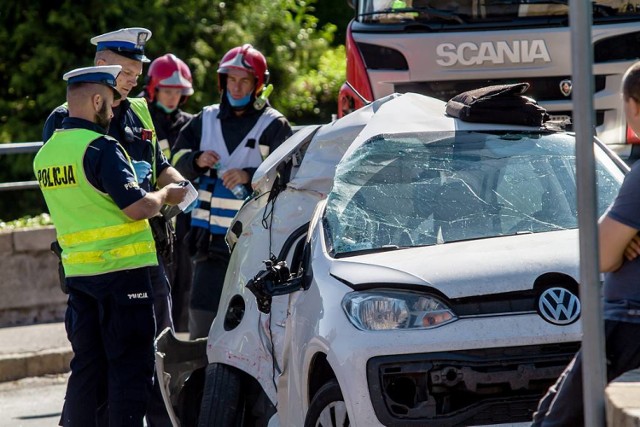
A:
382, 310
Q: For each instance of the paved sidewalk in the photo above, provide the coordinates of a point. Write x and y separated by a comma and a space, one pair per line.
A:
34, 350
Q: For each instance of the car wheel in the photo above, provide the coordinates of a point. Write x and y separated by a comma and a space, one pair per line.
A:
188, 406
327, 408
222, 399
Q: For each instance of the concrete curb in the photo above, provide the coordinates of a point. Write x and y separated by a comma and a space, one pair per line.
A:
34, 364
34, 350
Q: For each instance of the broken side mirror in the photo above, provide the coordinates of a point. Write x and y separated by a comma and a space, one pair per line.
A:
274, 280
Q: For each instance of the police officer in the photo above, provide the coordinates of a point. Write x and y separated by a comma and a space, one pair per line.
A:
168, 86
133, 127
232, 136
100, 214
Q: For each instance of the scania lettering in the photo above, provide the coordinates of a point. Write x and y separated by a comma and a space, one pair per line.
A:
468, 53
443, 47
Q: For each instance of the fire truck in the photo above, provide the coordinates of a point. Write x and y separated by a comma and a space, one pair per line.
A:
440, 48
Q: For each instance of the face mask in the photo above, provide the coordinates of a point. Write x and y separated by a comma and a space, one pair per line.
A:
163, 108
238, 103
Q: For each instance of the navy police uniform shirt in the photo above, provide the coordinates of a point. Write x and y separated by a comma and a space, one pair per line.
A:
126, 127
106, 166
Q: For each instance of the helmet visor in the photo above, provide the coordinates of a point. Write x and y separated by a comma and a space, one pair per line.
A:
177, 80
237, 62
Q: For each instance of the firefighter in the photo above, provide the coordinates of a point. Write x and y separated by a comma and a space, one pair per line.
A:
222, 146
168, 85
101, 213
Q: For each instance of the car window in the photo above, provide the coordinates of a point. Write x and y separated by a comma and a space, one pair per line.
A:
434, 188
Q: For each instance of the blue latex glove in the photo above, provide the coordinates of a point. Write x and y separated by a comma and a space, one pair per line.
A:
191, 207
142, 168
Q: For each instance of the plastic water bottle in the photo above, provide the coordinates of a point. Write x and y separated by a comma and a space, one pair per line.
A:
239, 190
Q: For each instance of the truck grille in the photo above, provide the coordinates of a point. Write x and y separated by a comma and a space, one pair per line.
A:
540, 89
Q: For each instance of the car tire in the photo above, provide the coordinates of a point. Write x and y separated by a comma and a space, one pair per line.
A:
327, 408
222, 399
188, 405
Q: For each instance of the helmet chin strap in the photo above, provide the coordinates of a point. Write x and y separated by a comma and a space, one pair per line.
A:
238, 103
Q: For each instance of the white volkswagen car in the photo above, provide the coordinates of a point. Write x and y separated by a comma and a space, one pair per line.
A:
397, 267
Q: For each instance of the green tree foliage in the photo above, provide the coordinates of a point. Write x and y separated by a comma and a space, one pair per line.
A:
42, 39
317, 90
336, 12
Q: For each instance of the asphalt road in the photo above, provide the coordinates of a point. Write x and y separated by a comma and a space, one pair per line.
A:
32, 402
37, 402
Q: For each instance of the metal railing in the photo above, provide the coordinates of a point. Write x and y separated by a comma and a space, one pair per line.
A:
19, 148
32, 147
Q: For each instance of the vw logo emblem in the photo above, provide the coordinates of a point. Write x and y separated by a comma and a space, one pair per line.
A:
565, 87
559, 306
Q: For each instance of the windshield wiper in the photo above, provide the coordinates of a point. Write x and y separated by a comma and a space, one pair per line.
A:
385, 248
429, 12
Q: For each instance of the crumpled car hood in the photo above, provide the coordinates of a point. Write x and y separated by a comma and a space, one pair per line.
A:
460, 269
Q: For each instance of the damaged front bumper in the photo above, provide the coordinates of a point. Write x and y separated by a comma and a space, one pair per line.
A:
471, 387
180, 366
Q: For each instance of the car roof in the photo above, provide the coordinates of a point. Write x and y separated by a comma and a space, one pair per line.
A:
414, 113
396, 113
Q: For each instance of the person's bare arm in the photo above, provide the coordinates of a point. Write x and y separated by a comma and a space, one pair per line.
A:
169, 175
614, 238
150, 204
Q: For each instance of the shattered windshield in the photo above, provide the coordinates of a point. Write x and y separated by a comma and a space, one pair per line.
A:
468, 11
426, 189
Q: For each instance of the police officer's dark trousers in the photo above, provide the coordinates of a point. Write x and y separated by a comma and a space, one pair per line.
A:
157, 415
563, 404
182, 274
110, 324
161, 297
210, 267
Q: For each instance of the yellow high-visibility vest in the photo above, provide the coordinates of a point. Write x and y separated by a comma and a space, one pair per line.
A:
95, 235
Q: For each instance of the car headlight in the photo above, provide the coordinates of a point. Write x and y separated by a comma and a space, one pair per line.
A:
383, 310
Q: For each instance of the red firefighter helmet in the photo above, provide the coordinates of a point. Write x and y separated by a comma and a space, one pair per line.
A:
171, 72
246, 58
